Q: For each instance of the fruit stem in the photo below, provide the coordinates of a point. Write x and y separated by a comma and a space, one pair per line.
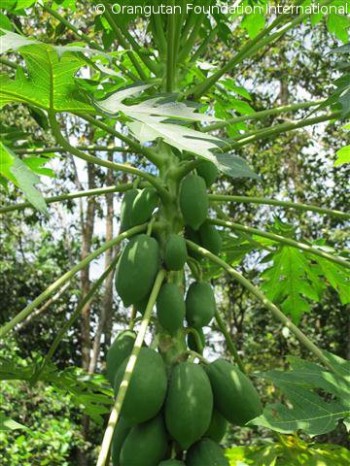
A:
114, 416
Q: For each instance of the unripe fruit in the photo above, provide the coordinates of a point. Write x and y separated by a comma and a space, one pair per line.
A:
208, 171
217, 428
170, 307
143, 206
210, 238
175, 255
200, 304
126, 209
194, 202
120, 349
147, 388
206, 453
189, 403
145, 445
235, 397
137, 269
192, 341
172, 463
120, 433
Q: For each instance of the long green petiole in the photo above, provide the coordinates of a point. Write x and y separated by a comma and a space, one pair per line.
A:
113, 419
283, 240
277, 203
264, 300
86, 300
65, 278
65, 197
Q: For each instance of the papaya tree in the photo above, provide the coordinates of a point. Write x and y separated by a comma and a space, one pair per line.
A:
142, 76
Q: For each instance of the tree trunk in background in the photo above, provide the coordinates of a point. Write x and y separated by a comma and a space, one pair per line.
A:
87, 228
105, 321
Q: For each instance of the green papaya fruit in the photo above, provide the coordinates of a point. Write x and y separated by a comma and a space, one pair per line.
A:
189, 403
147, 388
210, 238
172, 463
145, 445
200, 304
142, 305
235, 397
143, 206
121, 431
126, 209
206, 453
195, 238
120, 349
171, 308
175, 254
217, 428
137, 269
208, 171
192, 341
194, 202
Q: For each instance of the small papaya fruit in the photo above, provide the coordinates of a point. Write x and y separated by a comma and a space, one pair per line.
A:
235, 397
126, 209
145, 445
137, 269
210, 238
195, 238
217, 428
206, 453
193, 200
172, 463
147, 388
192, 341
189, 403
171, 307
119, 350
208, 171
175, 254
200, 304
143, 206
121, 431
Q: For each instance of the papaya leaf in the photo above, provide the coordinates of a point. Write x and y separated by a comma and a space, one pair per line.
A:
337, 277
9, 424
292, 452
291, 282
15, 170
50, 83
234, 166
308, 410
343, 156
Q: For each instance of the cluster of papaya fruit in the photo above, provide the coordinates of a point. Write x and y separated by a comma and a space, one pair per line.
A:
177, 415
175, 411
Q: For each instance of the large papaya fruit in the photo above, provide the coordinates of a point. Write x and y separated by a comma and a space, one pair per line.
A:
120, 433
200, 304
188, 404
126, 210
171, 307
206, 453
208, 171
120, 349
175, 254
194, 202
147, 388
137, 269
210, 238
217, 428
235, 397
143, 206
145, 445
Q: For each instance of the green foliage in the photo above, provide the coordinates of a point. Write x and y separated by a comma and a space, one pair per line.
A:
309, 411
290, 452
